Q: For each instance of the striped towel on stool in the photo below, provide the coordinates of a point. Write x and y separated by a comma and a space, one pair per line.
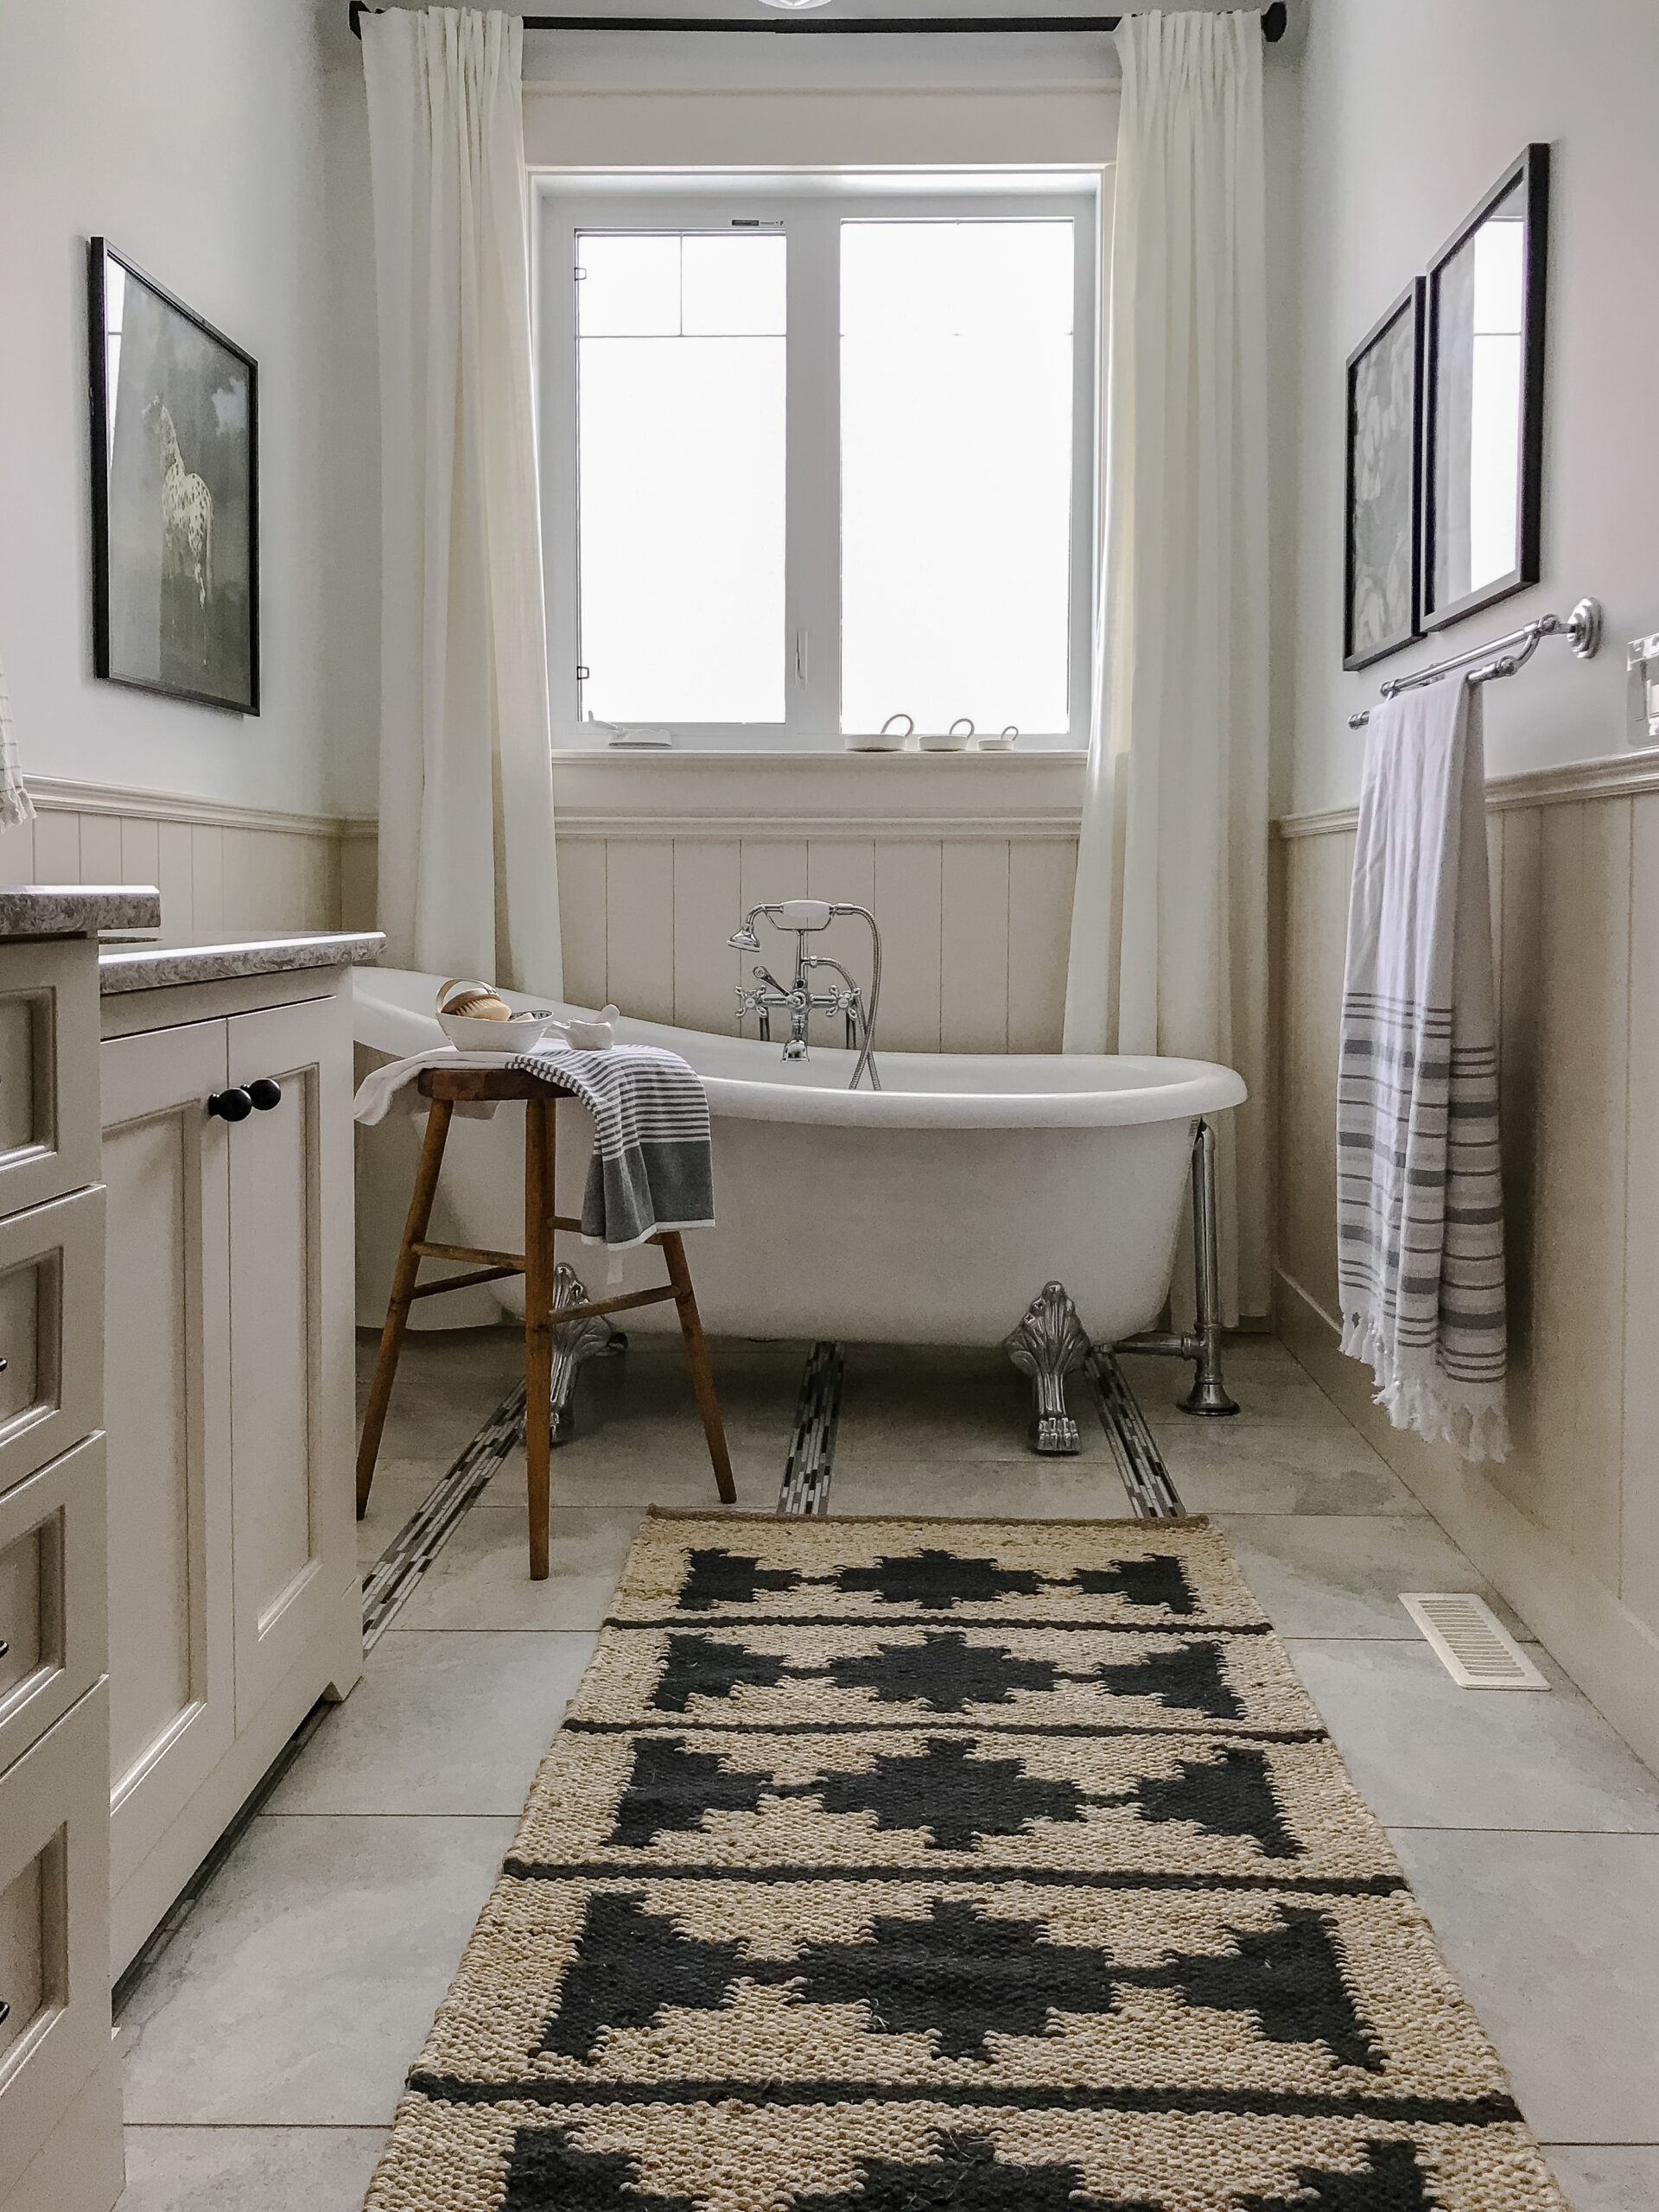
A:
653, 1164
1420, 1200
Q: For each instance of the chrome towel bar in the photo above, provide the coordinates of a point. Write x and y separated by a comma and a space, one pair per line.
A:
1503, 656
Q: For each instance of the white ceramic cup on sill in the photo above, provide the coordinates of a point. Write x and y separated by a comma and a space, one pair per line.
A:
956, 739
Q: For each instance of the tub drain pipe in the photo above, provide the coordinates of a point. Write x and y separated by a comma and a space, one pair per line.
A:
1201, 1343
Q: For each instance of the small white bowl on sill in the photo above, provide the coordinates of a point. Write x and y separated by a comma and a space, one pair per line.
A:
885, 740
956, 739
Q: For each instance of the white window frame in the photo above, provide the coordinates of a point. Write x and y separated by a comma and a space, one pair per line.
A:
810, 209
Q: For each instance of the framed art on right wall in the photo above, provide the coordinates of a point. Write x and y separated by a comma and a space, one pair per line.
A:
1384, 441
1484, 400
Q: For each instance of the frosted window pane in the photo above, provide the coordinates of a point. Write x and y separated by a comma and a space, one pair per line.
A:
956, 419
682, 528
952, 278
735, 287
630, 287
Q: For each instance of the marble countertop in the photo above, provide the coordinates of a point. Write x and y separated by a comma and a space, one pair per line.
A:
154, 967
77, 909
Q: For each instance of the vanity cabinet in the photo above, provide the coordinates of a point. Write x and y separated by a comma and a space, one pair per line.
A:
234, 1599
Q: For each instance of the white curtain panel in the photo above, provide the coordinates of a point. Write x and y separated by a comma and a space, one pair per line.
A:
1169, 927
468, 881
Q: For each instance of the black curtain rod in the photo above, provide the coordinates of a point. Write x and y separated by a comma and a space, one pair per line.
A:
1272, 23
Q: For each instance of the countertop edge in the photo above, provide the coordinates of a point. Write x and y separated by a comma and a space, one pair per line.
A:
150, 967
42, 910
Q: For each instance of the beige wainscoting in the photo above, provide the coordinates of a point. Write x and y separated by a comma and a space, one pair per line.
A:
1568, 1527
967, 861
223, 871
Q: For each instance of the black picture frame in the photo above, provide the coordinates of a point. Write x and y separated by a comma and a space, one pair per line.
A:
175, 548
1530, 171
1383, 486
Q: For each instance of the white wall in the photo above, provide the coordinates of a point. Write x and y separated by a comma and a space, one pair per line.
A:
1411, 108
189, 132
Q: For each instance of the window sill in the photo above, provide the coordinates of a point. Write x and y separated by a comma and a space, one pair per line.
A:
801, 796
1035, 754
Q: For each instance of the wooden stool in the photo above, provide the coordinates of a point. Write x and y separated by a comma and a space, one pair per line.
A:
447, 1089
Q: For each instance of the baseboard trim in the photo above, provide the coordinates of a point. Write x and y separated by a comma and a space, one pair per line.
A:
1610, 1655
64, 794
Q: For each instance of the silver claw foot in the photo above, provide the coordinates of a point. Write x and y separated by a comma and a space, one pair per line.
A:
575, 1343
1047, 1344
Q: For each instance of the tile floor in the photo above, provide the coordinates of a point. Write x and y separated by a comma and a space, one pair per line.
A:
264, 2051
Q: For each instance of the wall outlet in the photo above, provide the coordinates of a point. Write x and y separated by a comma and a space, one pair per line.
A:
1642, 659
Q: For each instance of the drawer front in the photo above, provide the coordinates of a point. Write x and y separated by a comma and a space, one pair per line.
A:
54, 1967
48, 1072
50, 1332
53, 1611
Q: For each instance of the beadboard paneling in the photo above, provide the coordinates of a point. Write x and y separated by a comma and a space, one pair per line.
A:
216, 878
1576, 920
967, 860
974, 930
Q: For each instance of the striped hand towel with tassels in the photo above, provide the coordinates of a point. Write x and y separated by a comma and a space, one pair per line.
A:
1419, 1200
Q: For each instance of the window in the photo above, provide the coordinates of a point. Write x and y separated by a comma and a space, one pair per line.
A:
814, 456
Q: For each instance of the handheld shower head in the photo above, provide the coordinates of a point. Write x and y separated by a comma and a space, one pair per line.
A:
744, 939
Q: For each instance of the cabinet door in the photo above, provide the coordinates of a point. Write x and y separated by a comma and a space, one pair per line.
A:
167, 1410
291, 1338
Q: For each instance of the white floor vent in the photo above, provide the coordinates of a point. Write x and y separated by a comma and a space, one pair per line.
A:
1473, 1646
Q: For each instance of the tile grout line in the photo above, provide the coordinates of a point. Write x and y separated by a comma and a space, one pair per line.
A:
1423, 1827
264, 2127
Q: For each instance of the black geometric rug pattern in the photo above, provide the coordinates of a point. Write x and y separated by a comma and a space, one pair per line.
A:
949, 1866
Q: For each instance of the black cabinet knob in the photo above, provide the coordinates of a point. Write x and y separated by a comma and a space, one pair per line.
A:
231, 1105
265, 1094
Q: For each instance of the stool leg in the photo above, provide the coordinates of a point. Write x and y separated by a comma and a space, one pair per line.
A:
402, 1284
696, 1353
539, 1127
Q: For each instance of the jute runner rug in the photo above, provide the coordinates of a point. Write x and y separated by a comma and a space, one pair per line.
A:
904, 1866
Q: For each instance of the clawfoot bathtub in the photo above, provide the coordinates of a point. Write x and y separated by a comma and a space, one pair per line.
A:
930, 1211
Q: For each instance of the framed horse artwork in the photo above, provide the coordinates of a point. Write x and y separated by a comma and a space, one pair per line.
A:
175, 493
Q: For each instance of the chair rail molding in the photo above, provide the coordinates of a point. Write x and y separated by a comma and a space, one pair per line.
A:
64, 795
1620, 775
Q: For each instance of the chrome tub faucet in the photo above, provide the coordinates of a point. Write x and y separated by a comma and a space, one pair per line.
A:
799, 1000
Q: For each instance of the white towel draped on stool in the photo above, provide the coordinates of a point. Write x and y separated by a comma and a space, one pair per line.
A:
1420, 1200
